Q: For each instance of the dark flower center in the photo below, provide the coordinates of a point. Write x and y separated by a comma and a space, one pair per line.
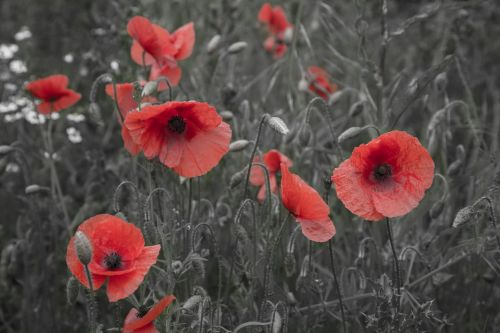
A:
382, 172
113, 261
141, 312
176, 124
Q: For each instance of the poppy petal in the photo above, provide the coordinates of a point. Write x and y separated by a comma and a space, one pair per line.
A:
129, 144
301, 199
142, 30
171, 151
257, 177
317, 230
265, 13
45, 87
139, 56
151, 315
183, 39
121, 286
66, 101
204, 151
261, 196
173, 74
352, 191
124, 96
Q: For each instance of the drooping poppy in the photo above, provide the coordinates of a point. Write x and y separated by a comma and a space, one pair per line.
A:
189, 137
156, 47
387, 177
141, 321
126, 103
319, 82
118, 256
278, 27
307, 206
272, 159
53, 93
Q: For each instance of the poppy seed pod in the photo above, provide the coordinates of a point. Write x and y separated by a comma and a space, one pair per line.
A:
213, 43
463, 216
239, 145
237, 47
83, 248
278, 125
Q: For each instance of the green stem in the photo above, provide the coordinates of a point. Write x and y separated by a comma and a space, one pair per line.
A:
396, 261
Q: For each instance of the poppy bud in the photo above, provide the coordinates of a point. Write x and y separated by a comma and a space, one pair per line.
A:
463, 216
239, 145
460, 153
335, 97
441, 81
72, 290
149, 88
4, 150
277, 321
433, 144
303, 85
349, 134
454, 168
237, 178
83, 248
191, 302
288, 35
278, 125
213, 43
290, 297
436, 209
226, 115
150, 232
237, 47
305, 135
356, 109
34, 188
177, 266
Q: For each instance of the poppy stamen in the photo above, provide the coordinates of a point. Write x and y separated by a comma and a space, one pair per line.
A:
382, 172
177, 124
113, 261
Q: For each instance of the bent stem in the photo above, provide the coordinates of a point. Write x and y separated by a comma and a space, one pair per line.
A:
396, 262
91, 306
264, 118
337, 286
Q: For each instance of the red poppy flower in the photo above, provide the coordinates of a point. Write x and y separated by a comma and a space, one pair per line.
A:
156, 47
189, 137
272, 160
387, 177
53, 93
118, 255
319, 82
307, 206
126, 103
138, 321
278, 26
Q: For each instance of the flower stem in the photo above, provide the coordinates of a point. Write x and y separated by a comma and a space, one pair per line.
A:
256, 144
337, 286
91, 306
396, 262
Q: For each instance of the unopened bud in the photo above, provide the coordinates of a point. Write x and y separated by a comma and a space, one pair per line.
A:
441, 81
460, 153
278, 125
237, 178
237, 47
305, 135
177, 266
288, 35
83, 248
356, 109
213, 43
72, 290
226, 115
4, 150
454, 168
349, 134
303, 85
191, 302
239, 145
463, 216
436, 209
335, 97
34, 188
149, 88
